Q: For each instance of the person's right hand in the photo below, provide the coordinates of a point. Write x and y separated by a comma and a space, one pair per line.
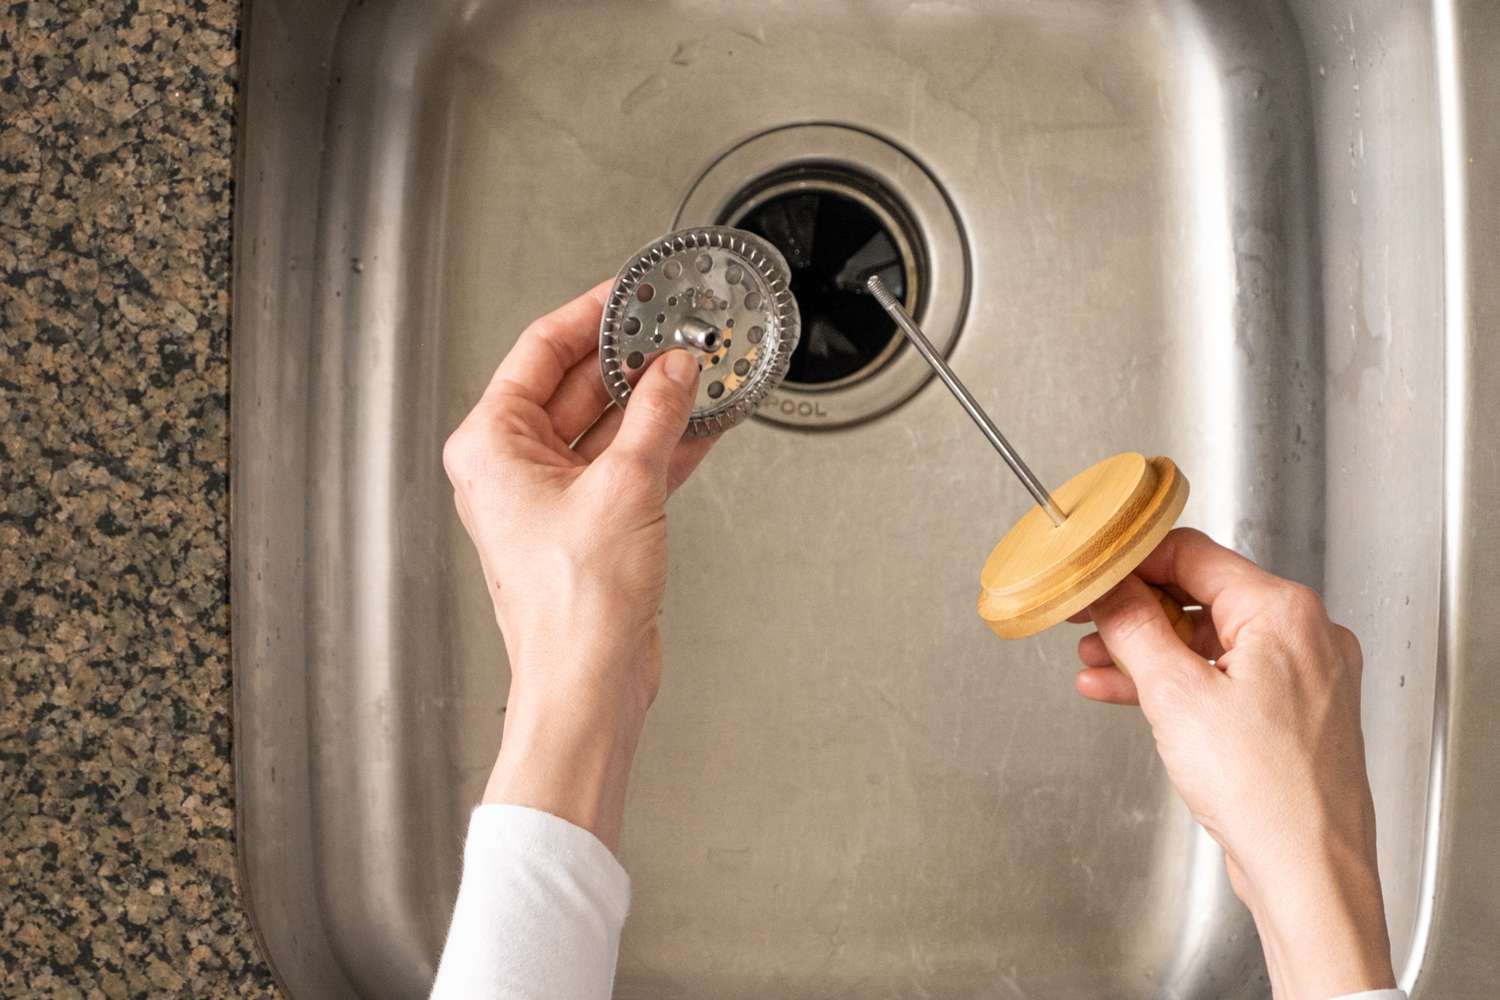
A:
1266, 750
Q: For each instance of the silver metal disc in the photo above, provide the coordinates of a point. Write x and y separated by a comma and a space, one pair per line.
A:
722, 294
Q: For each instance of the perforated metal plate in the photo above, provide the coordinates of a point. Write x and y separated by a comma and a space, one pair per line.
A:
718, 292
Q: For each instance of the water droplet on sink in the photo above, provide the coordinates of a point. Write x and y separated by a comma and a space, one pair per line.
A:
672, 269
704, 263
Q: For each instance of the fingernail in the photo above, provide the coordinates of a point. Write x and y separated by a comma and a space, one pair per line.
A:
682, 368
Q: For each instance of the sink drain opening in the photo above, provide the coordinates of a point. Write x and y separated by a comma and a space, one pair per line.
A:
839, 202
835, 228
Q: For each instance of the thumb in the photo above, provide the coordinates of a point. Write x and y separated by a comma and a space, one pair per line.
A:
1141, 639
657, 412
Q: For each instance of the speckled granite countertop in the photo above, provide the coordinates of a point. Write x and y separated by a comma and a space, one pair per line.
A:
117, 870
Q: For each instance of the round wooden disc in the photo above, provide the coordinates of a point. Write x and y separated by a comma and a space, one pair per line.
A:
1041, 573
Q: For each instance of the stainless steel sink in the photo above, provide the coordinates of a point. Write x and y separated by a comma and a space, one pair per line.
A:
1249, 235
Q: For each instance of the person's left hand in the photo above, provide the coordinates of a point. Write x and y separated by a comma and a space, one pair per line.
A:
566, 509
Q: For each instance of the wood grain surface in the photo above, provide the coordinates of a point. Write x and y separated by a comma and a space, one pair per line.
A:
1117, 512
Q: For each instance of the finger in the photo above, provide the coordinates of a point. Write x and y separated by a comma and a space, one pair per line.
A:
656, 414
1349, 646
1091, 652
579, 400
1176, 593
598, 437
1205, 642
1201, 567
549, 347
1081, 618
686, 458
1106, 684
1140, 639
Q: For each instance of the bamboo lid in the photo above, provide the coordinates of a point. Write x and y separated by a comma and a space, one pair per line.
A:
1117, 512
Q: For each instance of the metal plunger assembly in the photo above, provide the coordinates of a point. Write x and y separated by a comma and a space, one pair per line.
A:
1077, 543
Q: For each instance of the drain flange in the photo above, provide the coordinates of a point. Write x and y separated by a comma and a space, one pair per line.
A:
722, 294
861, 369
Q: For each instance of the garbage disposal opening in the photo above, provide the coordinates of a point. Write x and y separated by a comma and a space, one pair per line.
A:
837, 200
835, 228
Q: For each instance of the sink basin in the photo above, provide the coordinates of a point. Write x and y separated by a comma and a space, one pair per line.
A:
1231, 232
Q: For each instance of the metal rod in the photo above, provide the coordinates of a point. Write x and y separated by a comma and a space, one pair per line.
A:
966, 400
695, 331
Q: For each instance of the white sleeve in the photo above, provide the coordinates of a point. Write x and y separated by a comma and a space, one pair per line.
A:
1374, 995
539, 911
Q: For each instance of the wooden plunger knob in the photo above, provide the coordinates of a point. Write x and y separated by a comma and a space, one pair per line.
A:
1117, 512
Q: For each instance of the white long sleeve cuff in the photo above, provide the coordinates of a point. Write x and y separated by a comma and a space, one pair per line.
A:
539, 911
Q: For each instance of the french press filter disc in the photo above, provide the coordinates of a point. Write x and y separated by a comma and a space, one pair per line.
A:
720, 293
